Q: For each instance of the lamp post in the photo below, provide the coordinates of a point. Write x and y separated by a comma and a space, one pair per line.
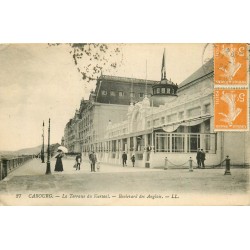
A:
42, 153
48, 171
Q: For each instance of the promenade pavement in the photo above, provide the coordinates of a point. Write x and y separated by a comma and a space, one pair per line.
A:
114, 178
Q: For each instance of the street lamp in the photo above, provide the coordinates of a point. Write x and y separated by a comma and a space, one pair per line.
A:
48, 171
42, 153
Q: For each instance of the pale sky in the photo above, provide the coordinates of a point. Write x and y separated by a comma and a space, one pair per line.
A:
38, 82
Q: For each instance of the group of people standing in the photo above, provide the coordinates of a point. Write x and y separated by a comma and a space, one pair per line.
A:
92, 160
125, 157
78, 159
200, 157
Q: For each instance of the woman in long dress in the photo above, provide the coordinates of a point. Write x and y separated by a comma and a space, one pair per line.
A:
59, 165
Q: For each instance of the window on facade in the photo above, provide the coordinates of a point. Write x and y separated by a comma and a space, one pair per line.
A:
207, 126
168, 90
158, 90
104, 92
181, 115
194, 112
174, 117
148, 124
131, 143
156, 122
207, 142
162, 120
120, 93
195, 128
163, 90
193, 142
207, 108
180, 129
178, 143
162, 142
141, 94
112, 93
169, 118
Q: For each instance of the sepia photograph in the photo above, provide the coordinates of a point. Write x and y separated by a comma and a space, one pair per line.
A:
126, 124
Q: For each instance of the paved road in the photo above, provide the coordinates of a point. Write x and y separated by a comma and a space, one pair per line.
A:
114, 180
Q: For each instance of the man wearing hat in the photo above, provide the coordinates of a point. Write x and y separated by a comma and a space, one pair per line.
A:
92, 160
198, 158
203, 158
124, 159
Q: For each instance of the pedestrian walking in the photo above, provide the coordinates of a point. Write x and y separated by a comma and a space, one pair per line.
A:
203, 158
78, 161
59, 165
198, 158
124, 159
92, 160
133, 160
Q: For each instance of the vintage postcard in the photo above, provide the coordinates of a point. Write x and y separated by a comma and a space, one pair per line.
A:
124, 124
231, 64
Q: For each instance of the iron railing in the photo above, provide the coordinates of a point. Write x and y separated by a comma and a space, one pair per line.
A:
8, 165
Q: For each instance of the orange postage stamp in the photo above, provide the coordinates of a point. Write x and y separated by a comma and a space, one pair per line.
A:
231, 109
230, 64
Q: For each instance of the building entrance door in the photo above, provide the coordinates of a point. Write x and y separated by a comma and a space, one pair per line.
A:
194, 139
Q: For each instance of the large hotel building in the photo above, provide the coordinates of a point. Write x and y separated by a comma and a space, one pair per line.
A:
154, 120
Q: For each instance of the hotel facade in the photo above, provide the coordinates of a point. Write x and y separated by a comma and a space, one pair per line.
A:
108, 103
170, 121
